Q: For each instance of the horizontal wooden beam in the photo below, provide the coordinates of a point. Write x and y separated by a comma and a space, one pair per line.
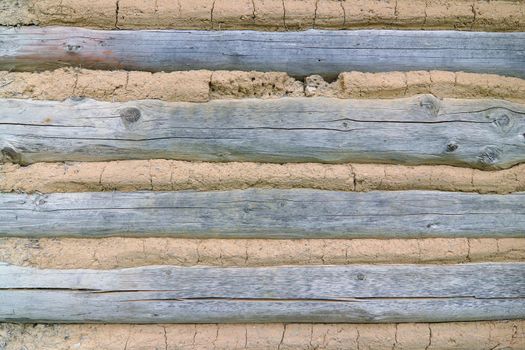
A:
486, 134
352, 293
259, 213
298, 53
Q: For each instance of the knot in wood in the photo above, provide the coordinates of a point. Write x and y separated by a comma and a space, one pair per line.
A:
502, 121
10, 155
490, 156
39, 200
72, 48
130, 115
452, 146
430, 103
76, 98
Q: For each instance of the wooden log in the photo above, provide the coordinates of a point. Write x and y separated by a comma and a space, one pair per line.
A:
259, 213
486, 134
298, 53
352, 293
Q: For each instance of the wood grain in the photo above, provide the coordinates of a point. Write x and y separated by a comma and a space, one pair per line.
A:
260, 213
486, 134
357, 293
298, 53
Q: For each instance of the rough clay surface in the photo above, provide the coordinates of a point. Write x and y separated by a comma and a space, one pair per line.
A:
202, 86
118, 252
404, 336
163, 175
268, 14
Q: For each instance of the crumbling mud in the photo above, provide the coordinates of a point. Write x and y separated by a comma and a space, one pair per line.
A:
202, 85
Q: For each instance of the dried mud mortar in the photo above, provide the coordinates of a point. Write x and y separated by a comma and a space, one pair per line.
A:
267, 14
202, 85
116, 252
403, 336
165, 175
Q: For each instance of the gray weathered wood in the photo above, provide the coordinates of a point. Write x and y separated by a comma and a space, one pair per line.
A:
260, 213
299, 53
487, 134
355, 293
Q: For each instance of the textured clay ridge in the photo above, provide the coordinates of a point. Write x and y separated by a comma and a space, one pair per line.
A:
268, 14
202, 86
118, 252
167, 175
404, 336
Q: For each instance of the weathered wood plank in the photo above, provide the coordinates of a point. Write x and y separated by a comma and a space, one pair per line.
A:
259, 213
487, 134
298, 53
353, 293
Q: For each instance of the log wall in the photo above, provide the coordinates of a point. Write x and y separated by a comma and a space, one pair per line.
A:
161, 163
